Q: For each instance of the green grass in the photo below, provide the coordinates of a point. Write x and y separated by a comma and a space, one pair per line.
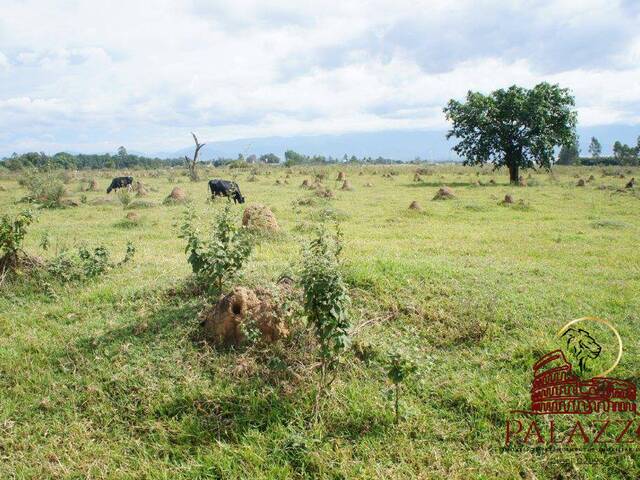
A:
110, 378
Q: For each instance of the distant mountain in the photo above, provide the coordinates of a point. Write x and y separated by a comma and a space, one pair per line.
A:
400, 145
395, 144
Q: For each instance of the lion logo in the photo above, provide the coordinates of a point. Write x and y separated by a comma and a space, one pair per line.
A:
582, 346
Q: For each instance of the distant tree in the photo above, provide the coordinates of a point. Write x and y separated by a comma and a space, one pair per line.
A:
293, 158
624, 154
517, 128
252, 159
595, 149
269, 158
569, 154
122, 152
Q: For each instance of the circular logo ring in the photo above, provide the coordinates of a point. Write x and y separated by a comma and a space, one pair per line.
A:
603, 322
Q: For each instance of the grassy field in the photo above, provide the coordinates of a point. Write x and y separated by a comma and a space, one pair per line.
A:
109, 378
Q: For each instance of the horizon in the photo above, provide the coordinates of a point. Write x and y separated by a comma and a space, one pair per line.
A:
247, 71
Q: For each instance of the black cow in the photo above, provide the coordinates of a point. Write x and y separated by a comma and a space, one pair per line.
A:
227, 189
120, 182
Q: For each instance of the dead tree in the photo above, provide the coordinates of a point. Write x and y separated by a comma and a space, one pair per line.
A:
191, 164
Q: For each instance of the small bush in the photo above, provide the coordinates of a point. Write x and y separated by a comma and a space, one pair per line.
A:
12, 233
86, 263
44, 187
221, 256
326, 302
398, 369
125, 198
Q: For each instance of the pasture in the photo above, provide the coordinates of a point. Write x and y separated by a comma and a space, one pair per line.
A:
110, 378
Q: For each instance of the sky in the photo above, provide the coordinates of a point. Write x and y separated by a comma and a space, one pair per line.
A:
88, 76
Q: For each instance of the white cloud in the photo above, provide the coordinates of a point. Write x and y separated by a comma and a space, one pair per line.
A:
98, 74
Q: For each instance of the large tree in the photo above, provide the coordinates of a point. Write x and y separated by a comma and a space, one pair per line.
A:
517, 128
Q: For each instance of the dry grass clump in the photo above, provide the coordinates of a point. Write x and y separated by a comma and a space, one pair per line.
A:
415, 206
176, 196
346, 186
259, 217
444, 193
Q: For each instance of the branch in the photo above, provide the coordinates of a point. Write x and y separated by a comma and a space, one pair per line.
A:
198, 147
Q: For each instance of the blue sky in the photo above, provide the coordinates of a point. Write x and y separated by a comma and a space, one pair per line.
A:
90, 76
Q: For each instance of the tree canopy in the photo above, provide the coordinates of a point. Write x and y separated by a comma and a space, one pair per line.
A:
595, 149
517, 128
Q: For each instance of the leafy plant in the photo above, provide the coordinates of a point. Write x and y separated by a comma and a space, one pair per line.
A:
12, 233
222, 255
398, 369
86, 263
125, 198
44, 186
326, 302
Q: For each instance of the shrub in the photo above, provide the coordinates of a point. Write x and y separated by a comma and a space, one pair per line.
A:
221, 256
398, 369
125, 198
44, 187
12, 233
326, 302
86, 263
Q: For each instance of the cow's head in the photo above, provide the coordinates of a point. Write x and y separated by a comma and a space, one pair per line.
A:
238, 196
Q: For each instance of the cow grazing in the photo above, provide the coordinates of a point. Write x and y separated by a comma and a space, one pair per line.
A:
120, 182
227, 189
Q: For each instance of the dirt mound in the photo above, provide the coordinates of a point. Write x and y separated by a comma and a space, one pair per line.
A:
591, 178
346, 185
445, 193
341, 177
242, 311
69, 202
259, 217
177, 195
325, 193
492, 182
630, 183
306, 183
522, 182
415, 206
417, 177
133, 216
508, 199
141, 189
581, 183
93, 186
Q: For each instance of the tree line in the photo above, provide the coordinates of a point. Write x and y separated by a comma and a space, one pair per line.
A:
124, 160
623, 154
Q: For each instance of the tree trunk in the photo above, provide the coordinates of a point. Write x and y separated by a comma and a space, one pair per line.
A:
513, 173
